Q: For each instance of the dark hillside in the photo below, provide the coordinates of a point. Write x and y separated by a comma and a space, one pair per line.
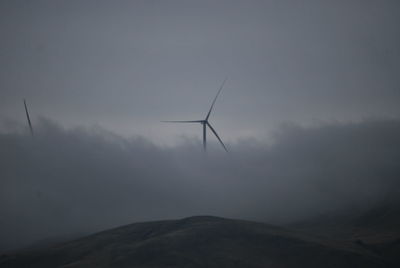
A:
201, 241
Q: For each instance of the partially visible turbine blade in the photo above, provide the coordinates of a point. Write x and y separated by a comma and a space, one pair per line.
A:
212, 105
193, 121
28, 118
213, 130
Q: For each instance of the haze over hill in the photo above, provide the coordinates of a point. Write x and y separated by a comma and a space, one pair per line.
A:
76, 181
309, 113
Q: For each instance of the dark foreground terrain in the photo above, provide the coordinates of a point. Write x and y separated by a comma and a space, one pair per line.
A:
208, 242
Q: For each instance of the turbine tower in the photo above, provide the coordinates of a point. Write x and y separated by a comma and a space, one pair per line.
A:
28, 118
205, 123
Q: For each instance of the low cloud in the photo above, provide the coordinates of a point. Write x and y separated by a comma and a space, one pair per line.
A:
66, 181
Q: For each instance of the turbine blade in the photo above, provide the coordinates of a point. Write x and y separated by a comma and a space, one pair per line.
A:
212, 105
215, 133
193, 121
28, 118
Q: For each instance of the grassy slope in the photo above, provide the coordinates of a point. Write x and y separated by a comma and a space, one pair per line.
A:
198, 242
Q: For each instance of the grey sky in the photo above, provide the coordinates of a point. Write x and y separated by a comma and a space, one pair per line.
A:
126, 65
323, 68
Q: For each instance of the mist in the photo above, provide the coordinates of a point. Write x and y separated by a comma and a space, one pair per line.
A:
80, 180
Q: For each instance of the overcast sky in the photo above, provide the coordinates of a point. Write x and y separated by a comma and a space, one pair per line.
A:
104, 73
126, 65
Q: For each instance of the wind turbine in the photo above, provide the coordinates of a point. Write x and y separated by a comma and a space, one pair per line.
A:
205, 123
28, 118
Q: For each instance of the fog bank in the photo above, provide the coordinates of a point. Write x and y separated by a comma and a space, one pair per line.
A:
66, 181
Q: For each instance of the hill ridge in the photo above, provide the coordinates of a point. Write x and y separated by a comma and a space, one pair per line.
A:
196, 241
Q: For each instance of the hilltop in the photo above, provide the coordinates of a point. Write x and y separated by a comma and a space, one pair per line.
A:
201, 241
